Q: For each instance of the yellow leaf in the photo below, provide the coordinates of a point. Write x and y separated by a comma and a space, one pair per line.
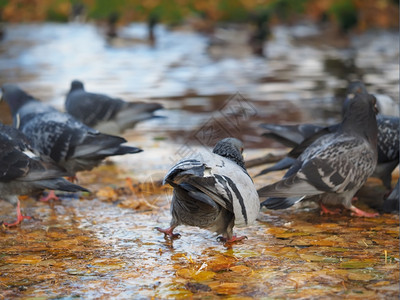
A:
311, 257
227, 288
196, 275
243, 270
107, 193
25, 260
356, 264
360, 276
203, 275
381, 283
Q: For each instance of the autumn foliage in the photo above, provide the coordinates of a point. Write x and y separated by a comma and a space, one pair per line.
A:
343, 13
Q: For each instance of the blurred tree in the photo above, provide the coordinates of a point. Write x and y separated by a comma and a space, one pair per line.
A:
348, 14
345, 13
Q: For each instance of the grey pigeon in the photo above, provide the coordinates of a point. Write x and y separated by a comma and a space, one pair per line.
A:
388, 148
290, 135
336, 165
391, 203
71, 144
22, 172
106, 114
301, 136
213, 191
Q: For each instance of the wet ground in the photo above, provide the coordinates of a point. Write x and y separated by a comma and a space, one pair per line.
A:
104, 244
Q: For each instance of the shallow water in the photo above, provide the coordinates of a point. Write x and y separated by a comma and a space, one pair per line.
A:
104, 245
298, 81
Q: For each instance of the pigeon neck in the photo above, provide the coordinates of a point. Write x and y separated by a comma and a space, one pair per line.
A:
362, 124
230, 153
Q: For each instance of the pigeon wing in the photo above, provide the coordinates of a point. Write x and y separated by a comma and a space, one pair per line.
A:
290, 135
90, 108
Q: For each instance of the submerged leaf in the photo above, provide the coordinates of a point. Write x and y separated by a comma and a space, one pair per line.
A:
356, 264
361, 276
196, 275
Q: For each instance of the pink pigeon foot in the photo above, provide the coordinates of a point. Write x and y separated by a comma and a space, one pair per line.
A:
232, 239
325, 210
169, 232
50, 196
20, 217
360, 213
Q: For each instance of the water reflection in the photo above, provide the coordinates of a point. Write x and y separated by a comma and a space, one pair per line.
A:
297, 82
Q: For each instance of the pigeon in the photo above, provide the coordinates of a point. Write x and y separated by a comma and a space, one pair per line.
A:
69, 143
391, 203
213, 191
23, 172
301, 136
388, 148
335, 166
106, 114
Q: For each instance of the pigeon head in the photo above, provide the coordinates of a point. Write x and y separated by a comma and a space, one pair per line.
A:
356, 87
232, 149
15, 97
76, 85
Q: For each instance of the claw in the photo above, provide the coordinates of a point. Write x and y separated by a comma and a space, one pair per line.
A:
232, 239
325, 210
168, 232
20, 217
360, 213
50, 196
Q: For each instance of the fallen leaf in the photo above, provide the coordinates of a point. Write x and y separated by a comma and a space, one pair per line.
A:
360, 276
356, 264
242, 270
196, 275
25, 259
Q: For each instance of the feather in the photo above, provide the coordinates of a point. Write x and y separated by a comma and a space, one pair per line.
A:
69, 143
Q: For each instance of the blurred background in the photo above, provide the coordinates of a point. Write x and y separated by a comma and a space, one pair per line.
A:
291, 60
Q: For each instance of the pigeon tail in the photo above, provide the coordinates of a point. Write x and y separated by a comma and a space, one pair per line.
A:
290, 135
289, 187
122, 150
283, 164
60, 184
187, 192
99, 145
281, 203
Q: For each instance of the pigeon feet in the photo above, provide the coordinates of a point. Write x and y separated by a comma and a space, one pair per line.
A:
325, 210
232, 239
20, 217
168, 232
50, 196
360, 213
